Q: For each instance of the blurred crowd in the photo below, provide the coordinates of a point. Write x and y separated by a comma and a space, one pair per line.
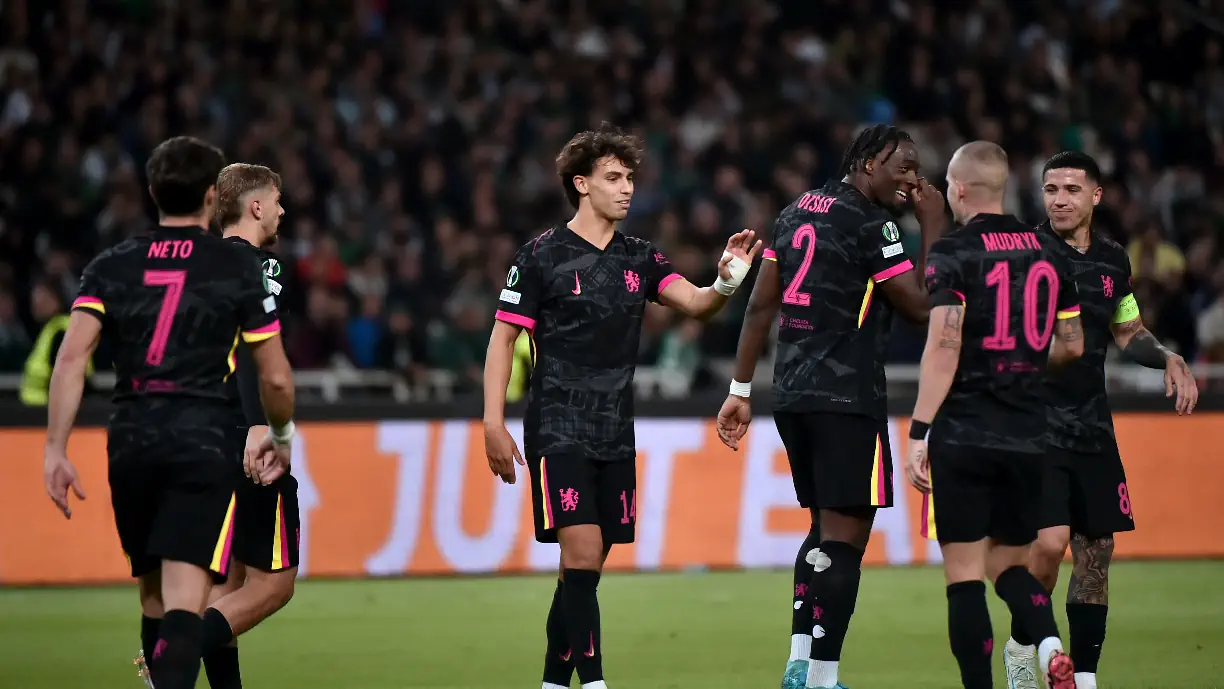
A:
416, 140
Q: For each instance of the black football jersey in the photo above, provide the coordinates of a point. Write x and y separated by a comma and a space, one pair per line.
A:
175, 304
1079, 414
583, 307
833, 247
1014, 283
244, 384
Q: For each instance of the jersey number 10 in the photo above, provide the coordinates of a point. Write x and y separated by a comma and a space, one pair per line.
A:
999, 277
173, 281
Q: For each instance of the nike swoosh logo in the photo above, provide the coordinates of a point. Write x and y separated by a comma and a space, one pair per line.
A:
577, 285
590, 653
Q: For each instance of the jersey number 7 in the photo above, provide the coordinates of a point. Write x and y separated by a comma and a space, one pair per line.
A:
999, 277
173, 281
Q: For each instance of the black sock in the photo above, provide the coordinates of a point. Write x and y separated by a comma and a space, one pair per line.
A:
220, 659
1087, 622
148, 637
176, 662
834, 593
558, 661
801, 618
1028, 602
1018, 634
221, 667
581, 608
970, 632
217, 631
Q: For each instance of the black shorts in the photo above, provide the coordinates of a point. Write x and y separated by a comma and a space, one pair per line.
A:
984, 493
267, 533
567, 490
837, 460
173, 492
1086, 491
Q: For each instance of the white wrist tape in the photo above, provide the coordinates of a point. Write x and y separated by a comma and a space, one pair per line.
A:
282, 435
741, 389
738, 268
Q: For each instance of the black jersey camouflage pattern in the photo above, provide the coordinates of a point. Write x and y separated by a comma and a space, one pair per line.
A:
175, 303
833, 247
244, 384
1014, 283
1078, 412
583, 307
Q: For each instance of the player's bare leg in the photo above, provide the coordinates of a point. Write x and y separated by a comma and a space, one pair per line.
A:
835, 582
249, 597
807, 559
176, 658
1028, 600
1020, 653
1088, 604
151, 612
582, 558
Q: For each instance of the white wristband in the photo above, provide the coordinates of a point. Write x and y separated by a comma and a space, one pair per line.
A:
738, 268
741, 389
282, 435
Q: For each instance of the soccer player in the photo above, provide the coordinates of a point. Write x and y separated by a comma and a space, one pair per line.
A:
580, 289
175, 303
265, 546
1084, 496
838, 270
999, 292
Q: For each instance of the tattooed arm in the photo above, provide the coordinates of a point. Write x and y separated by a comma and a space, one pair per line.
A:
1090, 575
1068, 341
940, 359
1138, 343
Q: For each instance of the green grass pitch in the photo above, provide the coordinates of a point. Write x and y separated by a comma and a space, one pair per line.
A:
708, 631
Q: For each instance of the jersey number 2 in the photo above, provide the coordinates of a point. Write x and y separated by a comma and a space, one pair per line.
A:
173, 281
792, 295
999, 277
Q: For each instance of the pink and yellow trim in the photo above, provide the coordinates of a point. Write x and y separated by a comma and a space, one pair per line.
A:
280, 538
91, 303
262, 333
515, 319
545, 498
769, 255
225, 540
879, 490
1072, 312
866, 302
893, 271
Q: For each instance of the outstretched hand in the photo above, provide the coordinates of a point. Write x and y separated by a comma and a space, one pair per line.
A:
742, 245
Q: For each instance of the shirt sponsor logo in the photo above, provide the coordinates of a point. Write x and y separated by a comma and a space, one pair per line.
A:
892, 250
510, 297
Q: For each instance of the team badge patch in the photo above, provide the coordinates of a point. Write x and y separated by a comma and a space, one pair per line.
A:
890, 231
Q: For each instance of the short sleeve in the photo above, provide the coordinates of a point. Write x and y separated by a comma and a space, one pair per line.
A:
658, 273
1068, 292
519, 301
885, 256
257, 305
1127, 308
945, 281
89, 296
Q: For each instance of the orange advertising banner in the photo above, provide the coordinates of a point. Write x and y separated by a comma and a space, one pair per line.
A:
416, 497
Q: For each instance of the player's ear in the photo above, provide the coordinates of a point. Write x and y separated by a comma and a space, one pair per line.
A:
1096, 196
256, 209
580, 183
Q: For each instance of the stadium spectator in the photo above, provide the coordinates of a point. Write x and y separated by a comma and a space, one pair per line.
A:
416, 138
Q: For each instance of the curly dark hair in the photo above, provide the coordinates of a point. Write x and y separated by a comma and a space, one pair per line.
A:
180, 172
868, 144
579, 156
